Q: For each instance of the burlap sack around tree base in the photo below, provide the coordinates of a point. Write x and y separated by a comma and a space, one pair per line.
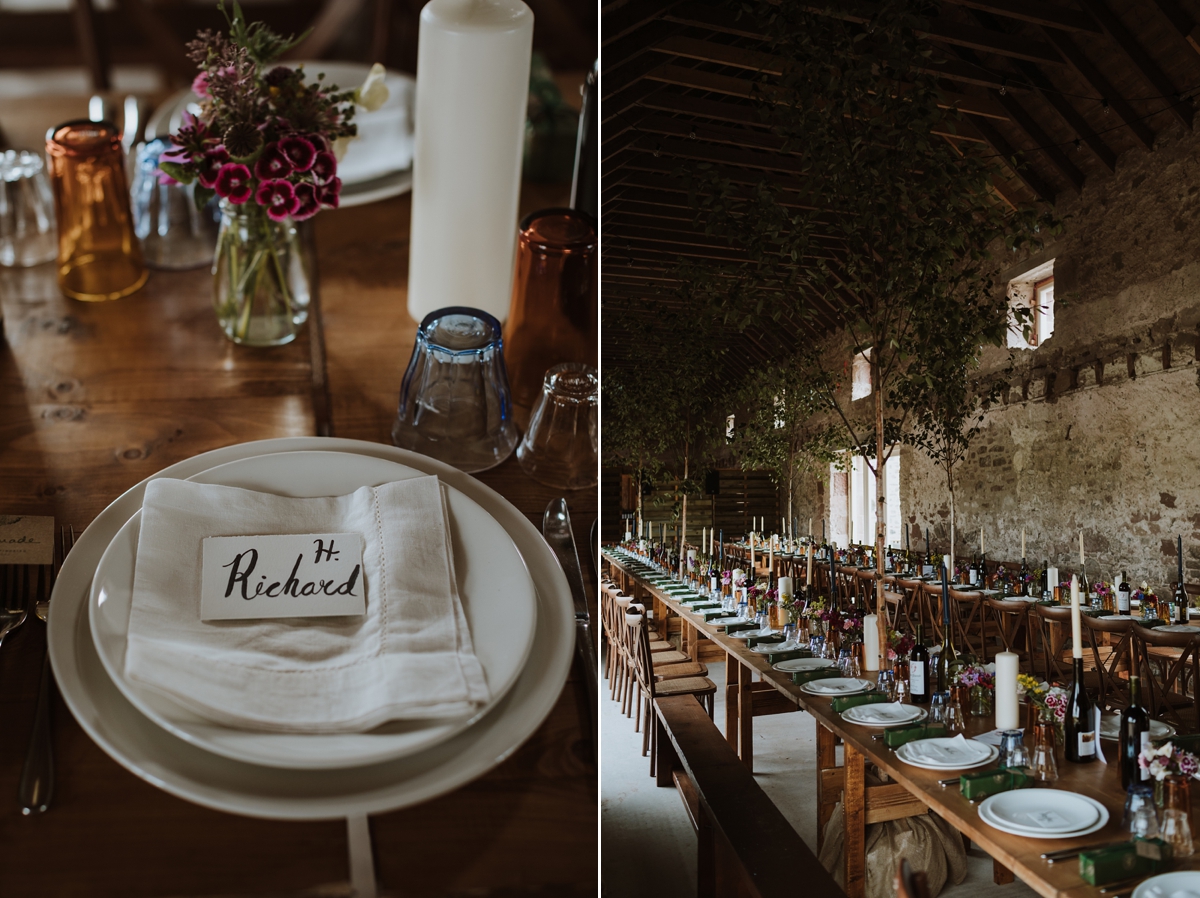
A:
930, 843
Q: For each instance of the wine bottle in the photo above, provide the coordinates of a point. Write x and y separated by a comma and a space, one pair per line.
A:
1123, 591
1022, 583
1080, 723
973, 573
918, 671
947, 656
1181, 604
1135, 735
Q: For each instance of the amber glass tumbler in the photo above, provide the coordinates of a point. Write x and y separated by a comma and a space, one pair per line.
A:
99, 256
552, 318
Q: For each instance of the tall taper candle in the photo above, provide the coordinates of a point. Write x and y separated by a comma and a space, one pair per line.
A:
1081, 562
870, 642
809, 581
1022, 543
1076, 624
473, 60
1008, 714
1179, 550
980, 540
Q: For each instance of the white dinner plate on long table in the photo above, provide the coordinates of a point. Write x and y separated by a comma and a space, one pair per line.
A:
1041, 811
1110, 728
498, 599
832, 687
796, 664
973, 753
884, 714
1182, 884
1005, 824
192, 773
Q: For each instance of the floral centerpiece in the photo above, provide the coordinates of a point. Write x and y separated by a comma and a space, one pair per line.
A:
1168, 760
900, 645
980, 682
1047, 701
266, 143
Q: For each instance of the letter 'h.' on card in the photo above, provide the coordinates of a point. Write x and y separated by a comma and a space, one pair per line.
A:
293, 575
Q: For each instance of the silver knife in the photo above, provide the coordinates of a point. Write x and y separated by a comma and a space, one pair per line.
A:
556, 528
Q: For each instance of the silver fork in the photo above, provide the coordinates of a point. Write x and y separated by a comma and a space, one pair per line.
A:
37, 776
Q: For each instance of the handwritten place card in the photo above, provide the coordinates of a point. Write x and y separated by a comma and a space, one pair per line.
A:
26, 539
298, 575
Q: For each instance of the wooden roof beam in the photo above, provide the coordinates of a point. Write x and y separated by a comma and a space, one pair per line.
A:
629, 18
1142, 61
1182, 20
1035, 11
1046, 145
1025, 172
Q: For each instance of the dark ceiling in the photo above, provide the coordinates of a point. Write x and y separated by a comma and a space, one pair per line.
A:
1070, 87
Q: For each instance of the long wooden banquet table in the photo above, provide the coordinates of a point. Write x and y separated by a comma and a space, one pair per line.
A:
750, 679
97, 397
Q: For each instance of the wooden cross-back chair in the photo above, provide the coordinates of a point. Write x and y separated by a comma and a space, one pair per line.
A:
914, 610
1170, 665
1113, 661
1010, 620
1051, 625
966, 616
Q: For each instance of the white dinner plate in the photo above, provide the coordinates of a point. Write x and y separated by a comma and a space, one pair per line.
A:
1043, 811
766, 648
192, 773
832, 687
1183, 884
747, 634
979, 756
797, 664
1030, 832
498, 599
884, 714
1110, 728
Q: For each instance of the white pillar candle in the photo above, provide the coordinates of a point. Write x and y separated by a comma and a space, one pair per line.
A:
473, 59
1008, 716
871, 642
1076, 624
785, 588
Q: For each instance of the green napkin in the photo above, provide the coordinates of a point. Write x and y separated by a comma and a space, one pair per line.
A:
717, 614
758, 640
807, 676
745, 625
979, 785
846, 702
1141, 857
776, 657
897, 736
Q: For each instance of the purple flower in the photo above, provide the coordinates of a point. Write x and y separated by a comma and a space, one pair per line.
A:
278, 198
300, 152
233, 183
210, 165
324, 167
329, 194
200, 85
273, 163
307, 204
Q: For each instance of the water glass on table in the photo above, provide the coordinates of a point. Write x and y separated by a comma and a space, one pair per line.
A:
454, 400
27, 234
560, 447
1141, 815
175, 235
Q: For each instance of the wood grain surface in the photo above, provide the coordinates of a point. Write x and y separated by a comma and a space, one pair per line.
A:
96, 397
1019, 854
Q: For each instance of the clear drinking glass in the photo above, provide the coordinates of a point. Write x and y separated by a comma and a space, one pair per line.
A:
1141, 815
1045, 767
559, 448
886, 683
175, 234
26, 211
937, 707
955, 716
454, 401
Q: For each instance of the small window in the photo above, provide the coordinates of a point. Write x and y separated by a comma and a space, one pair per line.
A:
1033, 290
778, 404
860, 387
729, 429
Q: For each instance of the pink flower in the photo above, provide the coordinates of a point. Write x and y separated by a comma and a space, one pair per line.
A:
324, 167
330, 194
300, 152
233, 183
273, 163
210, 165
307, 203
200, 85
278, 197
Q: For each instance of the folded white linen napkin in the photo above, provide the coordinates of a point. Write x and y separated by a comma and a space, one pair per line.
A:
942, 751
409, 657
886, 712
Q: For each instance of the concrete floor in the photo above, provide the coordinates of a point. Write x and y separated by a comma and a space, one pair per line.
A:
648, 846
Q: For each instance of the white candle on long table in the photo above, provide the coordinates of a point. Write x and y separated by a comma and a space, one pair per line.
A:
871, 642
1008, 715
785, 588
1081, 562
1022, 543
473, 60
1076, 623
808, 580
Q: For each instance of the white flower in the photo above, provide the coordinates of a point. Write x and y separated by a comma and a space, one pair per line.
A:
340, 145
374, 91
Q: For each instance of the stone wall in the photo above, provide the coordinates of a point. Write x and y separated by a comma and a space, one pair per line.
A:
1099, 429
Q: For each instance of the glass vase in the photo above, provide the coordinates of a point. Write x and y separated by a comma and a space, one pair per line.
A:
261, 277
981, 701
1176, 827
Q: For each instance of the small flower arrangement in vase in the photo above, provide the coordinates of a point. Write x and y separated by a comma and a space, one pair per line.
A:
266, 142
1046, 702
900, 645
979, 680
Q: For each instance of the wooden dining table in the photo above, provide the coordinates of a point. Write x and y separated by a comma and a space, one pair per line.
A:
96, 397
907, 789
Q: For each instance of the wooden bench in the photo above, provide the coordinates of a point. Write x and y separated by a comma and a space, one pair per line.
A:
746, 847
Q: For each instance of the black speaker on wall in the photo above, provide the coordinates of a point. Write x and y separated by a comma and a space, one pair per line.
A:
712, 483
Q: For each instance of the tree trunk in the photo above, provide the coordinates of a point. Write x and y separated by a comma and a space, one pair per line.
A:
880, 507
950, 483
639, 499
683, 523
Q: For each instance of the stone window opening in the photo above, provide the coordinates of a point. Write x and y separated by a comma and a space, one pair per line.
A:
852, 501
729, 427
860, 382
1032, 290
